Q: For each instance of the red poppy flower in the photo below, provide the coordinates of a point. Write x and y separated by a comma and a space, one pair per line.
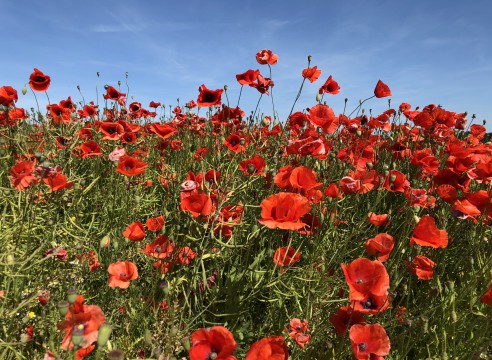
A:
58, 181
155, 224
364, 276
303, 178
344, 318
89, 149
200, 153
128, 137
154, 104
396, 182
197, 204
185, 256
378, 220
329, 87
284, 211
163, 131
111, 130
253, 166
312, 74
208, 97
426, 233
323, 116
298, 332
248, 78
21, 175
382, 90
130, 166
269, 348
212, 343
368, 340
120, 274
263, 84
380, 245
282, 179
332, 191
487, 297
266, 57
422, 267
135, 231
372, 304
85, 317
161, 248
349, 185
113, 94
235, 143
8, 95
39, 81
286, 256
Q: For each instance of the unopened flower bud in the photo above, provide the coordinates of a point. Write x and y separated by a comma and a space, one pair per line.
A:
148, 337
116, 354
104, 333
104, 243
78, 334
71, 295
392, 178
453, 317
10, 259
63, 307
24, 338
318, 97
186, 343
24, 90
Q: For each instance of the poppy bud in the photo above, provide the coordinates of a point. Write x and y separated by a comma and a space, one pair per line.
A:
106, 87
453, 317
104, 243
24, 90
78, 334
358, 132
24, 338
225, 87
116, 354
386, 172
425, 324
148, 337
318, 97
104, 333
392, 178
62, 307
71, 295
416, 219
242, 142
10, 259
186, 343
310, 58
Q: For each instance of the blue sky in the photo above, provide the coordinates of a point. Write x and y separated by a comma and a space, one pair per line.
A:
436, 52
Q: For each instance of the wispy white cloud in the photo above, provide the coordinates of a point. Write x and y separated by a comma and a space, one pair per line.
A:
102, 28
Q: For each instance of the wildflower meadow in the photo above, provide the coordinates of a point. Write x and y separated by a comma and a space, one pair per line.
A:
204, 231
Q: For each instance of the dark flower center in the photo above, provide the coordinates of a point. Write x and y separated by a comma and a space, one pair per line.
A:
39, 79
362, 346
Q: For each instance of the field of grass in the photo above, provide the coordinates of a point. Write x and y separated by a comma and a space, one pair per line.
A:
200, 232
